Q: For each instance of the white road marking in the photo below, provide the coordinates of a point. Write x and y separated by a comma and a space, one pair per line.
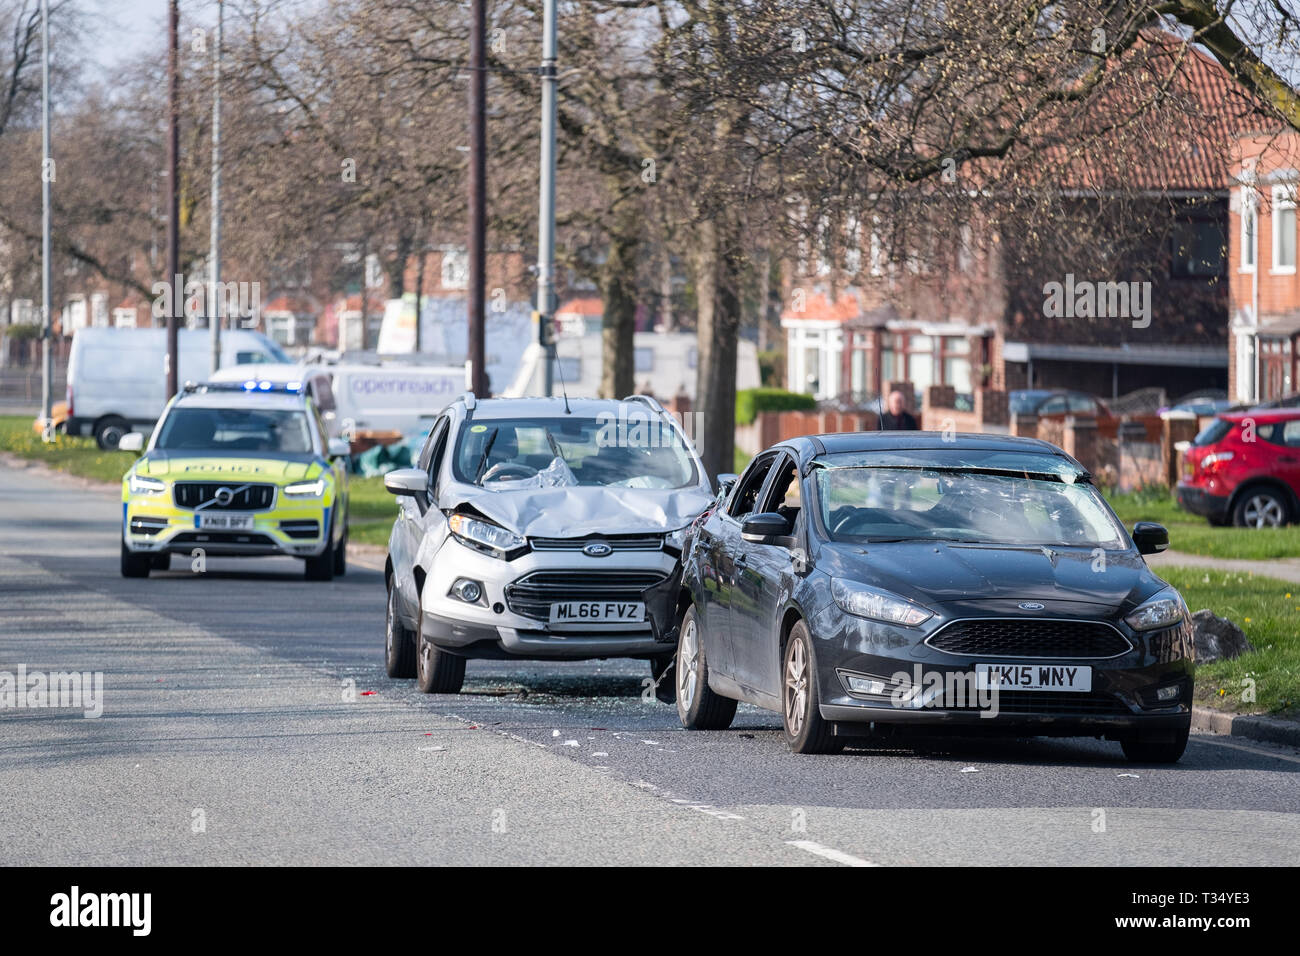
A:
1259, 751
829, 853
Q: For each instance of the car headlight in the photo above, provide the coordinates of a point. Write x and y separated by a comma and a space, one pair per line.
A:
878, 605
140, 485
676, 540
484, 535
306, 489
1164, 609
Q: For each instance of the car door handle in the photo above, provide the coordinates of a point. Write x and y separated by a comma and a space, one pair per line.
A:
740, 559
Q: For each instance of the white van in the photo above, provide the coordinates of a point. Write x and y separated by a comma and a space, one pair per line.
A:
117, 377
392, 398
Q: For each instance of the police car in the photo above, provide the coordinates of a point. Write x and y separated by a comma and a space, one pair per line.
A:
236, 469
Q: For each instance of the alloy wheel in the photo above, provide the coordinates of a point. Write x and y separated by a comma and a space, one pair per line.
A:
1263, 511
688, 664
796, 687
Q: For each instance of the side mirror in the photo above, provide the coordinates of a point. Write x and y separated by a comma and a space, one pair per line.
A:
339, 448
131, 441
767, 527
407, 482
1150, 538
725, 483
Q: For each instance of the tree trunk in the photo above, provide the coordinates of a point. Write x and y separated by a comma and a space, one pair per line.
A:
718, 268
619, 289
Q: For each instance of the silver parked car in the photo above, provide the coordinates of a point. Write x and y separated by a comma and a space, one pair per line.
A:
531, 528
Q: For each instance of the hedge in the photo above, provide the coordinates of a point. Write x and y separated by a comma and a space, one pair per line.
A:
751, 401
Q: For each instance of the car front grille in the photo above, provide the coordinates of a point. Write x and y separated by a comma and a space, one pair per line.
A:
1039, 638
244, 497
616, 542
533, 594
222, 537
1050, 704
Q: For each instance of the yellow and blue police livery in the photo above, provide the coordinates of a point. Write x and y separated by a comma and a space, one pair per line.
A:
238, 469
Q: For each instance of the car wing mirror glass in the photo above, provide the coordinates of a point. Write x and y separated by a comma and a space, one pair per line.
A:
1150, 538
339, 448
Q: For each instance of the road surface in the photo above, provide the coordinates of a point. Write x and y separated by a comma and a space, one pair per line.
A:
247, 719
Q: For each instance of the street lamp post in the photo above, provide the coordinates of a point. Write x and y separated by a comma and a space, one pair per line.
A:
214, 238
47, 324
546, 203
173, 195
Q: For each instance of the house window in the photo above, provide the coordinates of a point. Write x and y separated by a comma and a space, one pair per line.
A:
1198, 248
1284, 228
124, 318
1248, 238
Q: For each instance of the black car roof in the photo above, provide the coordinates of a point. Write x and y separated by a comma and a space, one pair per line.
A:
808, 447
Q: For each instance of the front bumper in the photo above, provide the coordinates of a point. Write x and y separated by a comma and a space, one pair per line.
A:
491, 628
1122, 699
153, 525
1201, 502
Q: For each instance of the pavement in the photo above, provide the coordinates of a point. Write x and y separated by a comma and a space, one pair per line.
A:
247, 719
1284, 569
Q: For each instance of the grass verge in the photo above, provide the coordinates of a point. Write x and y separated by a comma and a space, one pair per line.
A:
1268, 610
1193, 535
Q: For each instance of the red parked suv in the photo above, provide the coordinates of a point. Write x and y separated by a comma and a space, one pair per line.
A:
1244, 468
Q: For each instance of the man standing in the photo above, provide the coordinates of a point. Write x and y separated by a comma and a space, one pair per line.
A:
897, 419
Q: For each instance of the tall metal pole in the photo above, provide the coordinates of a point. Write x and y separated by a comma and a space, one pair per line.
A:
214, 238
546, 203
173, 195
47, 324
477, 194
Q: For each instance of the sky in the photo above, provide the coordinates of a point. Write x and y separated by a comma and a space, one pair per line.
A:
132, 28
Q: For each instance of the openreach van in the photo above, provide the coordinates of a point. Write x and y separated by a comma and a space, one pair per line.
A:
117, 378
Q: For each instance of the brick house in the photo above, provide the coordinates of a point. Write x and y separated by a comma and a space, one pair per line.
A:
976, 315
1264, 288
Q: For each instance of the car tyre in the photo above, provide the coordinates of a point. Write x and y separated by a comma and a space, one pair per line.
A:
399, 641
341, 555
321, 567
806, 731
436, 671
1140, 749
661, 672
135, 565
161, 561
1261, 507
698, 707
109, 430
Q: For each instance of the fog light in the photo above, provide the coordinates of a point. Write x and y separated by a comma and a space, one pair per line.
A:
863, 685
1171, 692
466, 590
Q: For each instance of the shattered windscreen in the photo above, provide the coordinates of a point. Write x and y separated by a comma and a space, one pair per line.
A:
873, 505
554, 452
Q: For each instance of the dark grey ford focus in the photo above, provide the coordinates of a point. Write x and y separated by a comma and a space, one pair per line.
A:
874, 583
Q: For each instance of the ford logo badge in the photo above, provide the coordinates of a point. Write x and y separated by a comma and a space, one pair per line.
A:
597, 549
1029, 606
